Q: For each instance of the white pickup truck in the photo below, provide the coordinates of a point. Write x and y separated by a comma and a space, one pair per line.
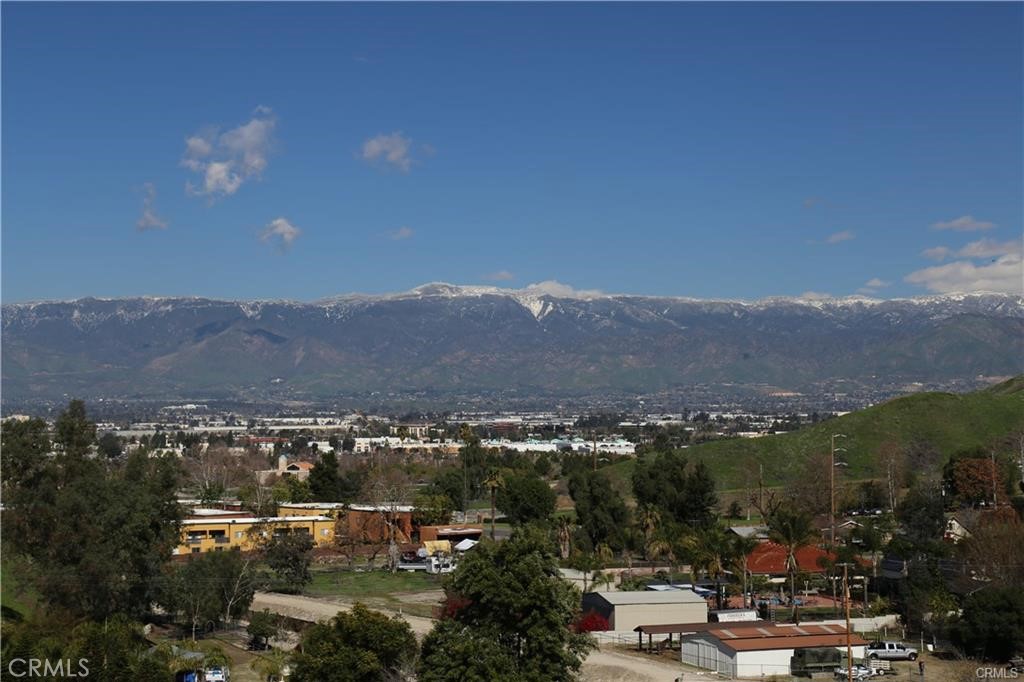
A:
891, 651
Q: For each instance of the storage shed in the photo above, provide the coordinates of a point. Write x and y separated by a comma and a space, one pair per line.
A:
627, 610
761, 651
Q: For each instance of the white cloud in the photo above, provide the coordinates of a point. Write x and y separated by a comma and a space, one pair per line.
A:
401, 234
983, 248
226, 160
1004, 274
872, 286
500, 276
965, 223
282, 231
149, 219
392, 149
815, 296
989, 248
937, 253
559, 290
844, 236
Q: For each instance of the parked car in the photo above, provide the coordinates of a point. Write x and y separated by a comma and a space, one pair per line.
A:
860, 672
216, 674
891, 651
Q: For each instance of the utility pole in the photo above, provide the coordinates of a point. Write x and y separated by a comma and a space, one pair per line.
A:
832, 488
994, 477
849, 646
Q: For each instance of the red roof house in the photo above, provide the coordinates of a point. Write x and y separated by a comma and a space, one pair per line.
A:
769, 558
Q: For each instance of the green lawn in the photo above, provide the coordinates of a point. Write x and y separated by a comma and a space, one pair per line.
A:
369, 584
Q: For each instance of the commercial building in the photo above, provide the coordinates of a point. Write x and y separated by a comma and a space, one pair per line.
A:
213, 530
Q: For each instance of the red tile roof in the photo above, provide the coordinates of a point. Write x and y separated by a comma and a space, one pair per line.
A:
769, 558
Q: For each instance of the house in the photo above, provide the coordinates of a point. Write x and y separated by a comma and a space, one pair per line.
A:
624, 611
769, 559
761, 651
299, 470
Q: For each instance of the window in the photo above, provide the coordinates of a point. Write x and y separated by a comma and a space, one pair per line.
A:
196, 550
325, 532
239, 535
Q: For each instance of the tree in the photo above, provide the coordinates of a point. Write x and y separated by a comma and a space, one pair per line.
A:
23, 449
493, 482
289, 555
683, 493
212, 471
511, 600
324, 482
792, 529
213, 588
711, 552
432, 510
921, 514
73, 430
355, 646
454, 652
97, 533
451, 482
991, 624
263, 626
735, 510
524, 498
109, 446
291, 489
601, 512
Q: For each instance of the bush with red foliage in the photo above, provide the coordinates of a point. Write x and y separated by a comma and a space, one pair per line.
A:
592, 621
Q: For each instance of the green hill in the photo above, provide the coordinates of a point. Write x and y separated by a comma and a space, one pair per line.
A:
941, 423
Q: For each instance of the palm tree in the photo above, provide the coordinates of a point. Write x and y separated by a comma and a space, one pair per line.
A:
660, 546
564, 537
710, 551
493, 482
649, 521
741, 549
792, 529
632, 542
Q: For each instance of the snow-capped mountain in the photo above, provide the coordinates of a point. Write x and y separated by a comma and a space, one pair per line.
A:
546, 337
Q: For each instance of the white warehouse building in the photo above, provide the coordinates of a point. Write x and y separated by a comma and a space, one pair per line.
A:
760, 650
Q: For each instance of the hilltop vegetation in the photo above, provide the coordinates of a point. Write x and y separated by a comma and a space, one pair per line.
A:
931, 425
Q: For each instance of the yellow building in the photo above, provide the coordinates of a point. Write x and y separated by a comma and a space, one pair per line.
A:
210, 532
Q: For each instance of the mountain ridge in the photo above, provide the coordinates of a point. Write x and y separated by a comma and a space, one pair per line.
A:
481, 339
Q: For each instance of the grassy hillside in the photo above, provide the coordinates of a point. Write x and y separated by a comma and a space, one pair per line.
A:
946, 422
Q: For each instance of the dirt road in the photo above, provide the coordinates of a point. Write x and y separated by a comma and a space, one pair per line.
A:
322, 608
603, 665
608, 665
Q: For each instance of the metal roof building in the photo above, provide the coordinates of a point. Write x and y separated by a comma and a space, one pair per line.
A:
627, 610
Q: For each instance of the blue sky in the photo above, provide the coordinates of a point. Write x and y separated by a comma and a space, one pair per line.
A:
708, 150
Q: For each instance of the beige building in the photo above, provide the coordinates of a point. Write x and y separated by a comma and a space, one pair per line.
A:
627, 610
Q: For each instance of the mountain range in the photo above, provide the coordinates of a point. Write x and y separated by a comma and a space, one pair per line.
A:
544, 339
